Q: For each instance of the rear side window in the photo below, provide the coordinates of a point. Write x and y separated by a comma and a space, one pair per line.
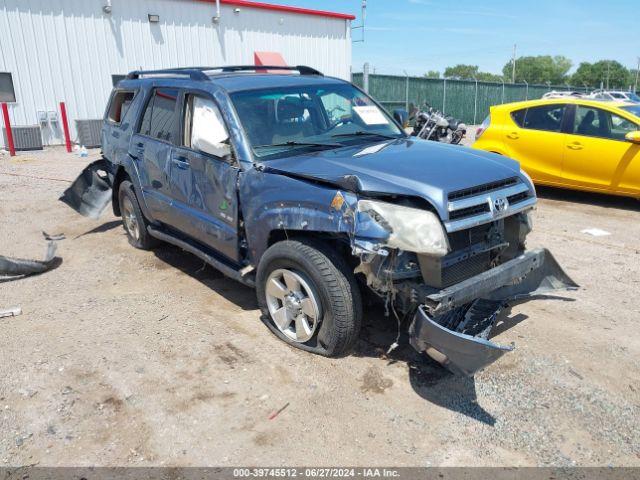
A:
119, 106
159, 120
547, 118
518, 116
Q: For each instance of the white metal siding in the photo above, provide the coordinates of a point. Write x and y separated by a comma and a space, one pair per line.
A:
67, 50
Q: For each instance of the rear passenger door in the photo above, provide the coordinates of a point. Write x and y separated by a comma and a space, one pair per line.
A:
534, 137
204, 176
151, 147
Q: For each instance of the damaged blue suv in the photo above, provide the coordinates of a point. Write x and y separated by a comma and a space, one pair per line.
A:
303, 187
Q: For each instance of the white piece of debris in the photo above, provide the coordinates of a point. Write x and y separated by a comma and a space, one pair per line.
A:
11, 312
595, 232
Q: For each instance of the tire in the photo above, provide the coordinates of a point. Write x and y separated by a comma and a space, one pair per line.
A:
326, 281
133, 221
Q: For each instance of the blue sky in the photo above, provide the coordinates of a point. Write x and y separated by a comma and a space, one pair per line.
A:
421, 35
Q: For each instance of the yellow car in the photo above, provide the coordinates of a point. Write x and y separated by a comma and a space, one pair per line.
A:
569, 142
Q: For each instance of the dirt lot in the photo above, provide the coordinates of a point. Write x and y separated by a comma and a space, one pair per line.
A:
125, 357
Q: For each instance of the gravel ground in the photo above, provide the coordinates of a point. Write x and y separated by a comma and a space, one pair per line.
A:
125, 357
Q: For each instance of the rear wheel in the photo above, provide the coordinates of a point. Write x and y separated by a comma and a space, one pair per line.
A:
132, 218
309, 297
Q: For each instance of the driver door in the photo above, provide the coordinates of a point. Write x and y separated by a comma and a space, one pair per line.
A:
204, 176
597, 155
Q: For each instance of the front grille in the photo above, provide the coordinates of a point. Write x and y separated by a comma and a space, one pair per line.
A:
487, 187
518, 197
469, 211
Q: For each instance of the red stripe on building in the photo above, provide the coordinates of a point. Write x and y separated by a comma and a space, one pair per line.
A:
283, 8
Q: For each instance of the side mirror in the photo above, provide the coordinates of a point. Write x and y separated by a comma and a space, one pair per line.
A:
402, 117
633, 137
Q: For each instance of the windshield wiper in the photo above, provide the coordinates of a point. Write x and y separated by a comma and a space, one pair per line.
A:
292, 143
362, 133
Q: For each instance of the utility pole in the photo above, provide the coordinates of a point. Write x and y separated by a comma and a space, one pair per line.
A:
513, 65
608, 71
635, 88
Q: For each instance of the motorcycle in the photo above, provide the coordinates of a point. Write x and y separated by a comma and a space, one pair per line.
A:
431, 124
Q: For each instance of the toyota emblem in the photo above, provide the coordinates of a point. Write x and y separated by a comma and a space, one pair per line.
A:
500, 205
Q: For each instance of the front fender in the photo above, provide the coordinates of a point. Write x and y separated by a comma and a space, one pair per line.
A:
276, 202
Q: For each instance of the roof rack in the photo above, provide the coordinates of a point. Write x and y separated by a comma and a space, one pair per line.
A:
302, 69
198, 73
192, 73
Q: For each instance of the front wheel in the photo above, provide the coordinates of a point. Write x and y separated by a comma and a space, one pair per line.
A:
309, 297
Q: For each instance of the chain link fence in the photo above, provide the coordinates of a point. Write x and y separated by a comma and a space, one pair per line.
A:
466, 100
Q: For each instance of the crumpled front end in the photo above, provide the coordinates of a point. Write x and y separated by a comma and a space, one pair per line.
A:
453, 325
453, 278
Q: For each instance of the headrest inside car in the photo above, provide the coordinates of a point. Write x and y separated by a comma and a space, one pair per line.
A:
289, 109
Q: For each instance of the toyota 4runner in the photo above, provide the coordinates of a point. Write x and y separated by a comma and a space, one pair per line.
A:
303, 187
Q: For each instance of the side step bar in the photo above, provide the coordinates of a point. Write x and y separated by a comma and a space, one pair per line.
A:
227, 270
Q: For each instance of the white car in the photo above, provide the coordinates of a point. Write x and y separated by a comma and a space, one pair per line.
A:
562, 94
615, 96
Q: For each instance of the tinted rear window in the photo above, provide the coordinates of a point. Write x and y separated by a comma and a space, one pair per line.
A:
160, 116
518, 116
545, 117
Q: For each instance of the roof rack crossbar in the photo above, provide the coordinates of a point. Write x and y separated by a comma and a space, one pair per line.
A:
302, 69
198, 73
193, 73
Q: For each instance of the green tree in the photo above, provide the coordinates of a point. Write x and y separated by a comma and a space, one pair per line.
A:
489, 77
462, 72
540, 69
470, 72
432, 74
608, 73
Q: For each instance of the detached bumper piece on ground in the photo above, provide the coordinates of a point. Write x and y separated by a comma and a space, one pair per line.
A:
15, 268
90, 193
453, 326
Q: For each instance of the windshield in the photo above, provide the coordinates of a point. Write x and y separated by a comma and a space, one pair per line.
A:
634, 109
288, 121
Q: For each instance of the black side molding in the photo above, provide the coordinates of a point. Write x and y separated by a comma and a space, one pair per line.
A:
207, 257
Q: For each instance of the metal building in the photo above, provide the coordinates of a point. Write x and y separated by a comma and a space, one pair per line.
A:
73, 51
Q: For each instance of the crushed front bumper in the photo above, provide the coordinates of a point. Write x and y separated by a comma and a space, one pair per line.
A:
453, 325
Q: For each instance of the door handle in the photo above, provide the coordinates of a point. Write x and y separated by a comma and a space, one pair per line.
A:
513, 136
575, 146
139, 150
180, 162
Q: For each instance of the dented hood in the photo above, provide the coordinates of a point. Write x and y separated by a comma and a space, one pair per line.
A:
406, 166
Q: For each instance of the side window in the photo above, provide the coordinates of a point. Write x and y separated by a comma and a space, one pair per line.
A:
163, 117
621, 126
7, 92
594, 122
545, 117
204, 128
518, 116
159, 120
119, 106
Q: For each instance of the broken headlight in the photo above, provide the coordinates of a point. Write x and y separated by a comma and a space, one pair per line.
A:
410, 229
